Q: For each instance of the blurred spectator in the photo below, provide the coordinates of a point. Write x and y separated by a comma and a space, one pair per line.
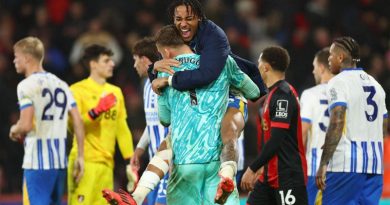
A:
95, 35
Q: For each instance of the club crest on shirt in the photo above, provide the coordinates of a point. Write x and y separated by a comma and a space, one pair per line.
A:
80, 198
281, 109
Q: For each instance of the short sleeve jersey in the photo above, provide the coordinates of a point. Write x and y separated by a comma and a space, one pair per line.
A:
360, 149
45, 145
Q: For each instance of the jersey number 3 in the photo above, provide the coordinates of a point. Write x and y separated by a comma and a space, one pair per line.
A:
58, 98
371, 102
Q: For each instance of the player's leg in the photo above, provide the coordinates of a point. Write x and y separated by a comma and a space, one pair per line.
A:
185, 184
311, 189
241, 157
232, 125
161, 198
96, 177
261, 194
211, 183
158, 195
339, 186
372, 189
155, 171
151, 198
59, 187
38, 186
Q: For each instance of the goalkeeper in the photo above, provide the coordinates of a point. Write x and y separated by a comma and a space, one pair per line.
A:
103, 111
195, 119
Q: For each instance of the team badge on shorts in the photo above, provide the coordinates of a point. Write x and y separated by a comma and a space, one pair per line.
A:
80, 198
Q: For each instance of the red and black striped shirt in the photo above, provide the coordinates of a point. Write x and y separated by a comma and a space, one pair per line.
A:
282, 152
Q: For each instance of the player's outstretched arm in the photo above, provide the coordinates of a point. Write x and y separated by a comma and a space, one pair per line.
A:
241, 81
78, 128
249, 88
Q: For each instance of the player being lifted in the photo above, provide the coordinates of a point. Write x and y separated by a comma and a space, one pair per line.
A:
353, 150
208, 40
201, 108
44, 103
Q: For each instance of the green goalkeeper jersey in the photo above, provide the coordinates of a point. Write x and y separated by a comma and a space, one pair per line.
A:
195, 116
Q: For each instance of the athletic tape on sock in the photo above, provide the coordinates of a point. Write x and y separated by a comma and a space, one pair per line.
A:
165, 155
159, 162
149, 180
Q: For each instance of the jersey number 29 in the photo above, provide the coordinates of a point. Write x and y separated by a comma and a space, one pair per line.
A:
58, 98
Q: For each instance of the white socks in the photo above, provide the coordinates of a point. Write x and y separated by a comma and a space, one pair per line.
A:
149, 179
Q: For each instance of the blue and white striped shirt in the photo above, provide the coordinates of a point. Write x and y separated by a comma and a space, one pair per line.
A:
45, 145
155, 131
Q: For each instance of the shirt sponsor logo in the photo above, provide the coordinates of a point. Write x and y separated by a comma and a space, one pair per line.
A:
281, 109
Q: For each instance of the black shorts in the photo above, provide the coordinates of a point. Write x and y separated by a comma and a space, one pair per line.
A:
263, 194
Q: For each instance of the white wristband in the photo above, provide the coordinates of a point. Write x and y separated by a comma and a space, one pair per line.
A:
170, 80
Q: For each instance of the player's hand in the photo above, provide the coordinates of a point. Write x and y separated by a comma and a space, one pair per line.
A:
258, 173
132, 176
158, 84
78, 169
105, 103
165, 65
14, 136
135, 160
248, 180
321, 177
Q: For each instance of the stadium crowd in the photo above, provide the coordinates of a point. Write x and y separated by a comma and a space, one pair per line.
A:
303, 27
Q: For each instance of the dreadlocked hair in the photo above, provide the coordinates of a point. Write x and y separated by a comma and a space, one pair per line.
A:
350, 45
195, 6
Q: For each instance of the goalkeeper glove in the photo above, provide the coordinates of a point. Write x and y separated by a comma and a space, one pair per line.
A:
105, 103
132, 176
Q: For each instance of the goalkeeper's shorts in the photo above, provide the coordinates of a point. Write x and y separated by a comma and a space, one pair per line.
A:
237, 100
97, 176
43, 186
196, 184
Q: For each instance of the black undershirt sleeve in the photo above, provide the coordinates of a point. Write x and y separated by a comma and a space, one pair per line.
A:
270, 148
